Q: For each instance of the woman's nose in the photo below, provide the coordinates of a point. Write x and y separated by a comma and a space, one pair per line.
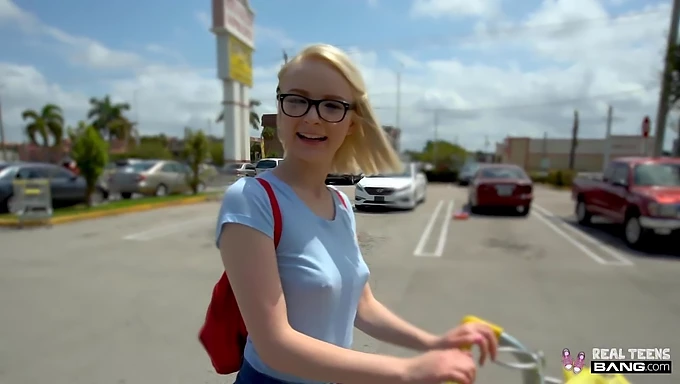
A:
312, 116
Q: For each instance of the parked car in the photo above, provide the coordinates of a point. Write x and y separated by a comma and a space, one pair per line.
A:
467, 173
641, 194
239, 169
501, 186
345, 178
151, 178
403, 190
66, 188
266, 165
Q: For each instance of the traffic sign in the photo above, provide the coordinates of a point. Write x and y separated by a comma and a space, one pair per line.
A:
645, 126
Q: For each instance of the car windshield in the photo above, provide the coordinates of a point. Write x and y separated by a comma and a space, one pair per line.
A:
502, 173
469, 168
406, 173
141, 166
662, 175
266, 164
7, 172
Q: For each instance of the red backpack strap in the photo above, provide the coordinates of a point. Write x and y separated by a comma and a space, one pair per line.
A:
342, 199
276, 210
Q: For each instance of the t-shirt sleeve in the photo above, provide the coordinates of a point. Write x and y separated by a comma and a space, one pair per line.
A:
350, 211
246, 202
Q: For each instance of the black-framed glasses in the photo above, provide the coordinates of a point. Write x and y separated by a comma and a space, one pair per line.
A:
332, 111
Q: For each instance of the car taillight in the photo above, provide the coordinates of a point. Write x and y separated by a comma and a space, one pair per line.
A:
525, 189
141, 177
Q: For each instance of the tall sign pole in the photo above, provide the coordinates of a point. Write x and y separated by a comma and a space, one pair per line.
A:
646, 126
662, 108
233, 24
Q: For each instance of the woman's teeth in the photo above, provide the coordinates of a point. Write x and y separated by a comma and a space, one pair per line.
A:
311, 137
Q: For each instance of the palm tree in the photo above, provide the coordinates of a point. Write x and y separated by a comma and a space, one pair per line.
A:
49, 122
254, 117
109, 117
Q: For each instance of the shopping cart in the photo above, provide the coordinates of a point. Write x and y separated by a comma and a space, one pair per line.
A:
532, 363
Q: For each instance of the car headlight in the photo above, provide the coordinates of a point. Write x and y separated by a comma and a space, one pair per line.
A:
359, 187
662, 210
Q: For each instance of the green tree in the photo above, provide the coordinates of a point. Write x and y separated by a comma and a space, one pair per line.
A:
90, 151
47, 123
196, 151
109, 118
254, 116
217, 153
442, 154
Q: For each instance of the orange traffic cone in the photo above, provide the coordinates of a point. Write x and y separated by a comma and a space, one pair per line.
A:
461, 215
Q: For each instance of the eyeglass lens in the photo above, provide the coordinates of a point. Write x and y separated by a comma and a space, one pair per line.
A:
329, 110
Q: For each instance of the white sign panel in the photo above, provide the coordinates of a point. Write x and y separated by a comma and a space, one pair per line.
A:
239, 21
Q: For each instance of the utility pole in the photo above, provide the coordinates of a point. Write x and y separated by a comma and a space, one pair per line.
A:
398, 117
2, 132
285, 57
662, 108
435, 144
608, 138
574, 141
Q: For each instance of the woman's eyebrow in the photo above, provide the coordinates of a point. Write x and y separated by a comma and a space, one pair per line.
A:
326, 96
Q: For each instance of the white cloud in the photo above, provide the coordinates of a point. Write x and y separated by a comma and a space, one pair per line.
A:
448, 8
584, 65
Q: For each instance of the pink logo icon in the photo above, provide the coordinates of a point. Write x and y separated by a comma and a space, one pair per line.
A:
573, 365
580, 361
567, 362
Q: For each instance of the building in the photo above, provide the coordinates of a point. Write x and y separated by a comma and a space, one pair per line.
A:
394, 136
541, 154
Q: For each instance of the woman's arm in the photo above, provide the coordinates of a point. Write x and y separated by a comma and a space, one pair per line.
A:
250, 262
379, 322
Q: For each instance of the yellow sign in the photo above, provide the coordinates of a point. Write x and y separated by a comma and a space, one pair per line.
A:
240, 62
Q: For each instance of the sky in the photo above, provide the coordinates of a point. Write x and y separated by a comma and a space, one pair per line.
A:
471, 72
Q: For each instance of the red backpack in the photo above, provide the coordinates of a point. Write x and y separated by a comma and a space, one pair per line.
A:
224, 333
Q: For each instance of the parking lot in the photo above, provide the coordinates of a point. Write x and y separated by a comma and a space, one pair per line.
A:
120, 300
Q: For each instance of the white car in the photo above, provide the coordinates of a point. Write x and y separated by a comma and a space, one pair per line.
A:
267, 165
402, 191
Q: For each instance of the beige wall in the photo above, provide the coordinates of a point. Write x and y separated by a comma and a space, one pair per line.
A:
528, 152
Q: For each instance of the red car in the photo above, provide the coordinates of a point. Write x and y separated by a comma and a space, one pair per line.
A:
501, 186
642, 194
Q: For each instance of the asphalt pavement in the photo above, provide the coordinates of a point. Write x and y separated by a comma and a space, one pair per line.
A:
120, 300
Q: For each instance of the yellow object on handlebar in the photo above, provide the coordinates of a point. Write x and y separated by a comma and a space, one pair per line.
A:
586, 377
497, 329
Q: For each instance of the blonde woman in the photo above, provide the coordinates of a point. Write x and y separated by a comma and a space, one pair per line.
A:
301, 300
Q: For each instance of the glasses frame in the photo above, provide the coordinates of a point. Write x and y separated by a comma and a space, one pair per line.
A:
314, 103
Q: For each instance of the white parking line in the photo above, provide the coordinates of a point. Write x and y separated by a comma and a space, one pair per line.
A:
545, 216
427, 231
166, 230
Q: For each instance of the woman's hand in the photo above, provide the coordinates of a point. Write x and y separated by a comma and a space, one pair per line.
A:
441, 366
467, 335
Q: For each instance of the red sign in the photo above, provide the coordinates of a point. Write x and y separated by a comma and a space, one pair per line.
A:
645, 126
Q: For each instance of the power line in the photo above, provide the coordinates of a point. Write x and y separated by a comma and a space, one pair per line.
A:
436, 41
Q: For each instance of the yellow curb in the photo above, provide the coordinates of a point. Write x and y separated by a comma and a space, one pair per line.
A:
112, 212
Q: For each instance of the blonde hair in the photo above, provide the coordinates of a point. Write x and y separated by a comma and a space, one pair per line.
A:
367, 149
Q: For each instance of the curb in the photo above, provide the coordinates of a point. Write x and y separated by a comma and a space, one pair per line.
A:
13, 223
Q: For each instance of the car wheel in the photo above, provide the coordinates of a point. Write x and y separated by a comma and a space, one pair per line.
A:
633, 234
161, 190
10, 205
582, 215
525, 210
126, 195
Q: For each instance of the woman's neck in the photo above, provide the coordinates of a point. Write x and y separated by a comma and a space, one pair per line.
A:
302, 175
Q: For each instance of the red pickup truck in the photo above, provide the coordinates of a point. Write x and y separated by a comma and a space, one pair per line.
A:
641, 193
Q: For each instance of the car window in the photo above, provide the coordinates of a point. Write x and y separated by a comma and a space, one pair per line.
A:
61, 173
266, 164
501, 173
620, 174
32, 173
609, 172
250, 166
141, 166
663, 175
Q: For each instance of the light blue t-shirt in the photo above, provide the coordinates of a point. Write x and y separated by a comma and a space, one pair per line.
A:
322, 270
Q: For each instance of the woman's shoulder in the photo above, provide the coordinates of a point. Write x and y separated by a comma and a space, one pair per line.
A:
345, 199
245, 191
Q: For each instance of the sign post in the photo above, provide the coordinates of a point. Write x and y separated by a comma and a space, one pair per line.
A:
645, 133
233, 23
